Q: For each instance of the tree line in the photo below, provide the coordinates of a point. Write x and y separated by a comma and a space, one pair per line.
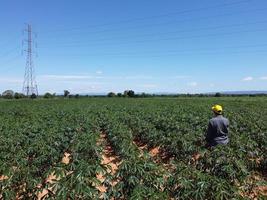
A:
10, 94
131, 93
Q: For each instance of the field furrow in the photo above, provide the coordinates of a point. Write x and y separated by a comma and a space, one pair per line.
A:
121, 148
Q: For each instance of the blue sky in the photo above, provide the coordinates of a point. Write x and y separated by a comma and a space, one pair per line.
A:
98, 46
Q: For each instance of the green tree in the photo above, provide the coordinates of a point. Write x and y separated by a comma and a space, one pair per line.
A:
19, 95
8, 94
111, 94
125, 93
131, 93
66, 93
33, 96
218, 94
48, 95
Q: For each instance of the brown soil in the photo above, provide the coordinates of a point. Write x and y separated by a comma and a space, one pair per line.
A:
110, 160
256, 190
154, 152
196, 157
42, 195
256, 160
3, 177
49, 180
158, 154
52, 178
141, 146
262, 190
66, 158
255, 193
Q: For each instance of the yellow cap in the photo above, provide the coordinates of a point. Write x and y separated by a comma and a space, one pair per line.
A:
217, 109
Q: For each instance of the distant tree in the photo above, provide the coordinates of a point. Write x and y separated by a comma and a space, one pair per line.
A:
131, 93
33, 96
48, 95
218, 94
77, 96
19, 95
66, 93
8, 94
119, 94
16, 95
189, 95
143, 94
125, 93
111, 94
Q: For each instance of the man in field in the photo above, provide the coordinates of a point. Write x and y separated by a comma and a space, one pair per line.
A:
217, 132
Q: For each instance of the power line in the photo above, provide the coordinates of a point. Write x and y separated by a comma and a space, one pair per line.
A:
9, 40
157, 16
200, 53
172, 32
212, 53
174, 52
164, 23
5, 54
10, 60
165, 39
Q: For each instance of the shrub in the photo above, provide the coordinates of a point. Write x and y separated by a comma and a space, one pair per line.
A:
111, 94
48, 95
8, 94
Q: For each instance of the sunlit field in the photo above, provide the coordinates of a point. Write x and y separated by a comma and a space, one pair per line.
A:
130, 148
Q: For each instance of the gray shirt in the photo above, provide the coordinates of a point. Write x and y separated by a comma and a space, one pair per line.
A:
217, 132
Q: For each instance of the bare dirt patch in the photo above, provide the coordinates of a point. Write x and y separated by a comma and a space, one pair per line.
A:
52, 178
3, 177
196, 157
256, 190
66, 158
110, 160
158, 154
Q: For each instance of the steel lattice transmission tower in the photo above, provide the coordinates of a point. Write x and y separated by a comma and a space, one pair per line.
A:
29, 84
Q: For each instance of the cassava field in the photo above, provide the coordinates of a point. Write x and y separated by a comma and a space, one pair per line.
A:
127, 148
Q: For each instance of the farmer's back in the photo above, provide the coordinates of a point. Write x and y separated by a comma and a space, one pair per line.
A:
217, 132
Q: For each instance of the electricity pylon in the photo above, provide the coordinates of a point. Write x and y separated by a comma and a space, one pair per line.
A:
29, 84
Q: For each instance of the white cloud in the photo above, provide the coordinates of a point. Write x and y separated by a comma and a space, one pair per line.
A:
192, 84
99, 72
148, 85
249, 78
84, 77
65, 77
74, 86
212, 85
263, 78
138, 77
10, 80
181, 77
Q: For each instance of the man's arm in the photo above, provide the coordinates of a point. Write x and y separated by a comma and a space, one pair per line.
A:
209, 132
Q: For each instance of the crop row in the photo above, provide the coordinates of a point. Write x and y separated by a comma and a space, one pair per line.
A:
35, 136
